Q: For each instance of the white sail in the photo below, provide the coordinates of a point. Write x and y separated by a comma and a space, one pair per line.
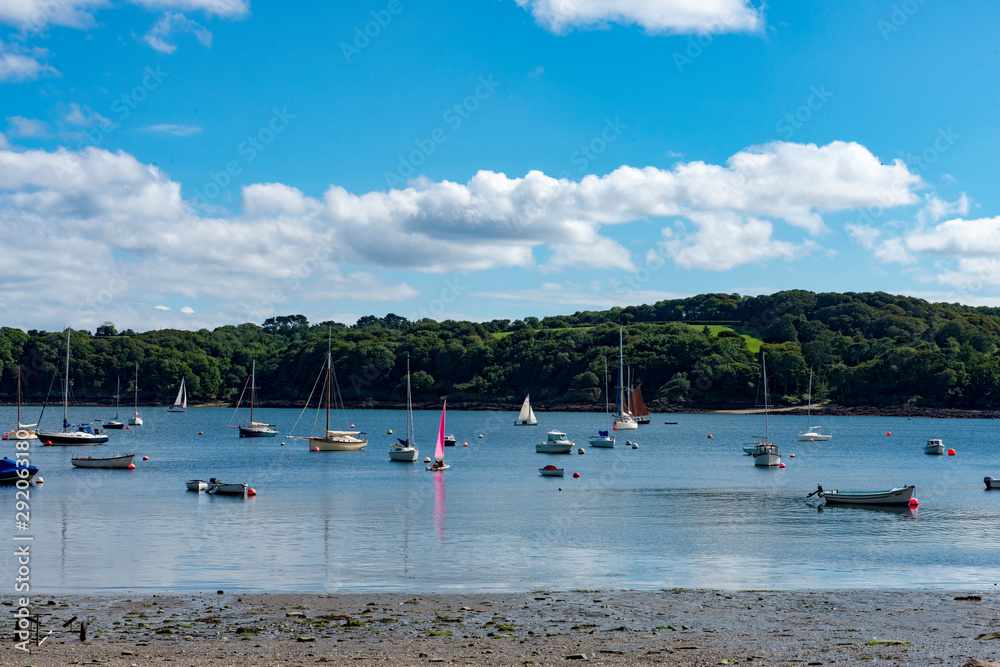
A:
181, 402
526, 416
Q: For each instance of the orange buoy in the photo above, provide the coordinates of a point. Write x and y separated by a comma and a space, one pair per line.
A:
710, 435
951, 452
201, 433
352, 425
465, 444
127, 428
131, 466
39, 480
913, 502
781, 465
810, 439
145, 458
251, 492
576, 474
282, 444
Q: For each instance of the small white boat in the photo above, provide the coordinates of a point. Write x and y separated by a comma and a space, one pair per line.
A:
812, 433
196, 485
108, 462
406, 450
551, 471
181, 402
765, 453
557, 443
526, 417
992, 482
604, 438
934, 446
898, 496
624, 421
226, 488
449, 441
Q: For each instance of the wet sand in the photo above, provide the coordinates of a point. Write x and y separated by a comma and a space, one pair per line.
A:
670, 627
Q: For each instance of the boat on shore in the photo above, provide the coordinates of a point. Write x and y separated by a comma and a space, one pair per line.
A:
107, 462
557, 443
934, 446
897, 496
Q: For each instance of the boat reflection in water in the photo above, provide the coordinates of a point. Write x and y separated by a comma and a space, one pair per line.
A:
439, 507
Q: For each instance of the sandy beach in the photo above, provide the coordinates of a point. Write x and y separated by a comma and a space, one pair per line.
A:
671, 627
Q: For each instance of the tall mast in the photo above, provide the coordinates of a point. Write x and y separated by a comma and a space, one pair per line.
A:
253, 381
621, 385
66, 386
19, 395
329, 371
409, 407
606, 397
767, 428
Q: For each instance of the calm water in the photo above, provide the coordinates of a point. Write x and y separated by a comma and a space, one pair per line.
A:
682, 510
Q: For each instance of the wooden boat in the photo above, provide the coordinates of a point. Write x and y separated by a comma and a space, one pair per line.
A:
812, 433
196, 485
623, 420
116, 423
551, 471
253, 429
406, 450
109, 462
332, 441
765, 453
603, 439
557, 443
526, 417
439, 463
898, 496
10, 471
637, 406
934, 446
992, 482
181, 402
23, 431
219, 487
136, 418
83, 435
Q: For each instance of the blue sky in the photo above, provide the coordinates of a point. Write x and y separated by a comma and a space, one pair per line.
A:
193, 163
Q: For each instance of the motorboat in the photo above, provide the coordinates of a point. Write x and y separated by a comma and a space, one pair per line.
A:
123, 461
219, 487
551, 471
9, 471
449, 441
196, 485
557, 443
898, 496
934, 446
992, 482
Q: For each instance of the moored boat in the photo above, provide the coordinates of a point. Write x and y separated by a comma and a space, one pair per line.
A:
83, 435
219, 487
992, 482
449, 441
557, 443
123, 461
551, 471
253, 429
812, 433
623, 420
897, 496
603, 439
406, 450
9, 471
196, 485
331, 441
23, 431
765, 453
934, 446
136, 418
526, 417
181, 402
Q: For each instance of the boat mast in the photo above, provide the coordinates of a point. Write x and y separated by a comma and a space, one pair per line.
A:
66, 386
253, 373
767, 429
409, 407
19, 396
621, 386
809, 404
329, 366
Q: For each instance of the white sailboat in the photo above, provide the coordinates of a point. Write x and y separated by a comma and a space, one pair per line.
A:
604, 438
406, 450
23, 431
83, 435
136, 419
181, 402
624, 420
332, 441
253, 429
812, 433
116, 423
765, 452
526, 417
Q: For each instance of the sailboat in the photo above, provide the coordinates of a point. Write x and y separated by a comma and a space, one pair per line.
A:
439, 463
83, 435
526, 417
603, 438
136, 419
23, 431
765, 452
406, 450
812, 432
181, 402
638, 407
333, 441
253, 429
624, 420
116, 422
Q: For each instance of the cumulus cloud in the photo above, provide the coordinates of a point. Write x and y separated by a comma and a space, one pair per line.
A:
27, 127
655, 16
160, 36
286, 246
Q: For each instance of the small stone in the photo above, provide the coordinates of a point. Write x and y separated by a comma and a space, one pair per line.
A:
577, 656
986, 636
219, 592
423, 655
305, 639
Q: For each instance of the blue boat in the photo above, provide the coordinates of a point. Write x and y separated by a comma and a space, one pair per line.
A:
9, 474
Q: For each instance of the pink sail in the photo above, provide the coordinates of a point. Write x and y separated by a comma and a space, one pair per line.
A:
439, 449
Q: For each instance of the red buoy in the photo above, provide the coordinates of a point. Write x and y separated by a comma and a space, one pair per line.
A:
951, 452
710, 435
810, 439
315, 449
251, 492
127, 428
48, 443
888, 433
781, 465
131, 466
201, 433
791, 456
913, 502
614, 428
39, 480
576, 474
465, 444
145, 458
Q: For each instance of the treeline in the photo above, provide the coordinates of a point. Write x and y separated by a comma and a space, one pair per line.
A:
866, 349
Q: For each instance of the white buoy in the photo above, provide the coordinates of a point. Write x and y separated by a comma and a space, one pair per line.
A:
635, 445
580, 451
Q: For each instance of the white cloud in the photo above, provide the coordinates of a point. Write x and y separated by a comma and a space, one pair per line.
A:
162, 307
160, 36
35, 15
655, 16
225, 8
936, 208
174, 129
866, 236
3, 142
188, 310
726, 240
27, 127
84, 117
15, 67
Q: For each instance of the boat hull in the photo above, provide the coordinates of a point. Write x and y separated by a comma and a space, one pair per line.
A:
525, 423
109, 462
21, 434
628, 425
642, 420
602, 441
934, 447
438, 468
257, 432
135, 421
551, 472
817, 437
196, 485
408, 455
767, 459
337, 444
9, 471
73, 438
992, 482
449, 441
114, 424
554, 448
897, 496
227, 488
173, 409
